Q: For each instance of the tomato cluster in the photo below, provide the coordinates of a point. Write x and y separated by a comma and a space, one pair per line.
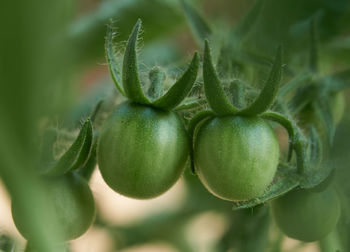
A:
143, 146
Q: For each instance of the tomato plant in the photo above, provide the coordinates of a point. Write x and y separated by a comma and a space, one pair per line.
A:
143, 146
221, 119
306, 215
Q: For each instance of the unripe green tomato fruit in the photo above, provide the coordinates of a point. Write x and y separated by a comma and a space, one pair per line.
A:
236, 157
142, 150
306, 215
69, 201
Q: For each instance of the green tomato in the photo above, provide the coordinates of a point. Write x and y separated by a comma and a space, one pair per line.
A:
69, 202
307, 215
142, 150
236, 157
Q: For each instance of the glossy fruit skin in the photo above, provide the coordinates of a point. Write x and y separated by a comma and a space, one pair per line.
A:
142, 150
236, 157
69, 201
306, 215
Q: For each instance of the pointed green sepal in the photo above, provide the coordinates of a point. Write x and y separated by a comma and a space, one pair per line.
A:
267, 96
77, 154
113, 65
87, 170
199, 26
181, 88
96, 111
214, 91
131, 82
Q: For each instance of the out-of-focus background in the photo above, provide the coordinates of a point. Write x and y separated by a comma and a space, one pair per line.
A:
202, 232
52, 63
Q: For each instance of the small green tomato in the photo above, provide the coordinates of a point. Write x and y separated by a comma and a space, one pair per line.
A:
142, 150
69, 201
307, 215
236, 157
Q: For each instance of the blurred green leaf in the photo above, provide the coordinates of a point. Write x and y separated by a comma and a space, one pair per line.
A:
198, 24
87, 33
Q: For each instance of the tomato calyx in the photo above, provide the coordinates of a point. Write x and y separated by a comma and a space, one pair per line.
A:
131, 85
76, 156
217, 98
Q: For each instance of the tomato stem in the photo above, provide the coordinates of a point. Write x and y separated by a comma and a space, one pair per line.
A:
237, 93
156, 77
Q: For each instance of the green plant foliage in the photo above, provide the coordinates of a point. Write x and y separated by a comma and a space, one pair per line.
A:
87, 33
199, 26
261, 135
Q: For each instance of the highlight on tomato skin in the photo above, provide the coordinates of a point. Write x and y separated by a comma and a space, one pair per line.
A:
307, 215
142, 150
69, 201
236, 157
